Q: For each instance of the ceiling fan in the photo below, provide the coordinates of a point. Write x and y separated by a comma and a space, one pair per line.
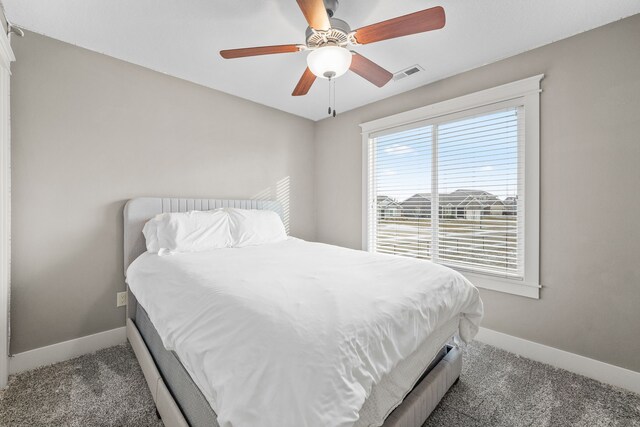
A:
327, 38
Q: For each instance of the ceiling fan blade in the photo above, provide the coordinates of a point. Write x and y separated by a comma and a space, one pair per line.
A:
262, 50
303, 86
370, 70
413, 23
315, 13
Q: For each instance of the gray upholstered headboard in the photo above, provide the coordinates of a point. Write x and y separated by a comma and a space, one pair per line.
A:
138, 211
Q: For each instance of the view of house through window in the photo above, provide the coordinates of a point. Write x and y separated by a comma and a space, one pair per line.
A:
471, 172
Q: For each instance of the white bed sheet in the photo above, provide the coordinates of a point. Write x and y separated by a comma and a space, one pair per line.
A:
393, 387
296, 333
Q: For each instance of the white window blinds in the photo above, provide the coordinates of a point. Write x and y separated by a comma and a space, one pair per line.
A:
451, 190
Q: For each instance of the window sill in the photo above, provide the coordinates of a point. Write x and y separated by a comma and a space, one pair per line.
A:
513, 287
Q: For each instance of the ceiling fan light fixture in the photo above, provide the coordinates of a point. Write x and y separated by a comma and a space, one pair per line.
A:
329, 62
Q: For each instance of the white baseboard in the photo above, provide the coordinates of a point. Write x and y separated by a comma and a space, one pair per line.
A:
65, 350
572, 362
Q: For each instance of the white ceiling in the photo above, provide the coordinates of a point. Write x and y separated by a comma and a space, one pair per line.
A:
182, 38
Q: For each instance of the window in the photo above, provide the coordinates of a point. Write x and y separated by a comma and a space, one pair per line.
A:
456, 183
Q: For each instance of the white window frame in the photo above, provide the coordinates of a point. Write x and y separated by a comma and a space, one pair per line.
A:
6, 57
525, 93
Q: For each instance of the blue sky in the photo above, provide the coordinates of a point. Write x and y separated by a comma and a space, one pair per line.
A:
474, 153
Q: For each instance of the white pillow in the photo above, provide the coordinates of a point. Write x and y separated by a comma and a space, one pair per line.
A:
194, 231
255, 227
150, 231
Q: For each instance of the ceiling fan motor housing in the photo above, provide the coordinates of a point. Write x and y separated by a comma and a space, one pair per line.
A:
337, 35
331, 6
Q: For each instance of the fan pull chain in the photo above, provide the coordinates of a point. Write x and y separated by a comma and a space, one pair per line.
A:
332, 97
333, 88
329, 111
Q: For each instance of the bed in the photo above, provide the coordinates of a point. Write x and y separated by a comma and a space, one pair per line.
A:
182, 369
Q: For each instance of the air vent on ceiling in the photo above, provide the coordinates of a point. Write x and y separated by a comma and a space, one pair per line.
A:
407, 72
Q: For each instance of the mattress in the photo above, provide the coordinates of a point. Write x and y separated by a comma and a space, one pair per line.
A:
384, 397
299, 333
193, 404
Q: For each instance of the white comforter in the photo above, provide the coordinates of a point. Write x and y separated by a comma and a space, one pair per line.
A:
296, 333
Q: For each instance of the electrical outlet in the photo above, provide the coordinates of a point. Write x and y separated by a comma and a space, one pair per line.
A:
121, 299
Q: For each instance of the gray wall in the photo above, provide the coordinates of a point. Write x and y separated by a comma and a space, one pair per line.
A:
590, 185
90, 132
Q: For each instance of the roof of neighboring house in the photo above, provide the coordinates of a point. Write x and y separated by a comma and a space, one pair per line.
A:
478, 194
386, 201
390, 204
511, 200
464, 197
460, 197
426, 196
471, 201
417, 199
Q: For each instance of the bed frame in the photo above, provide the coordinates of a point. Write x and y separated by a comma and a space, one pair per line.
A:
412, 412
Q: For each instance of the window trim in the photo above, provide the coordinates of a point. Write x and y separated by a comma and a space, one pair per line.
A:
525, 92
6, 57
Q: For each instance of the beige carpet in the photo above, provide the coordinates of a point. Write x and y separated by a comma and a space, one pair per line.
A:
498, 388
101, 389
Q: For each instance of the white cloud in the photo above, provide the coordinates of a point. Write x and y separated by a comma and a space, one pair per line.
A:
486, 168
